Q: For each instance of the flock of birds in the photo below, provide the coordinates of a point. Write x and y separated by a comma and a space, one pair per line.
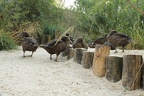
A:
113, 39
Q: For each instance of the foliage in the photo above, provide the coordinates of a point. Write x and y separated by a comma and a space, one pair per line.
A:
6, 41
50, 21
99, 17
15, 14
50, 30
94, 17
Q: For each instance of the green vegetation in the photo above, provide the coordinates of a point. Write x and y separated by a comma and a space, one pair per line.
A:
6, 41
98, 17
93, 17
20, 15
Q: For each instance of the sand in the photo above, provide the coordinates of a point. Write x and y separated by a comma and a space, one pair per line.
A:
39, 76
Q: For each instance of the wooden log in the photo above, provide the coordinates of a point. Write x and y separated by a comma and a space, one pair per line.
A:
78, 53
131, 74
65, 52
87, 59
48, 38
38, 40
70, 53
44, 39
100, 54
142, 79
114, 68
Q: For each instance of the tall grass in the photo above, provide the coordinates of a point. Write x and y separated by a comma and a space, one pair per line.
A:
6, 41
113, 15
137, 35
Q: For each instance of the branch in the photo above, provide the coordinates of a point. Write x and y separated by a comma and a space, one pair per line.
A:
140, 11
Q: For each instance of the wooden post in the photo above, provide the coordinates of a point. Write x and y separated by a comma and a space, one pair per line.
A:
44, 39
99, 66
131, 74
48, 38
143, 77
78, 54
70, 53
87, 59
38, 40
114, 68
65, 52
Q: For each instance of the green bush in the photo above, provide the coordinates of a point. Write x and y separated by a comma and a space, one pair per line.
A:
49, 30
6, 41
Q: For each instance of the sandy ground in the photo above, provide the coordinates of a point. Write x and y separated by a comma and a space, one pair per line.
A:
39, 76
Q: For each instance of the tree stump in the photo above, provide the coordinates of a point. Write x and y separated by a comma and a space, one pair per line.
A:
70, 53
131, 74
44, 39
100, 54
142, 78
114, 68
78, 53
87, 59
65, 52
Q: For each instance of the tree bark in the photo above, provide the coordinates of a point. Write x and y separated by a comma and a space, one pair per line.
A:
87, 59
99, 66
114, 68
78, 55
131, 74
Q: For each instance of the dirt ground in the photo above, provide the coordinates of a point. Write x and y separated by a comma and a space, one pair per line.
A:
39, 76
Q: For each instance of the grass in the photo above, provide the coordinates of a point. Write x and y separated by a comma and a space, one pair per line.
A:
6, 41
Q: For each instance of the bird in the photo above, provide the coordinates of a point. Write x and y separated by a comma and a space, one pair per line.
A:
71, 38
79, 43
24, 34
117, 39
111, 33
100, 40
28, 43
54, 47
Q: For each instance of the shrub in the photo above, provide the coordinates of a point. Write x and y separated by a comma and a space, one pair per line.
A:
6, 41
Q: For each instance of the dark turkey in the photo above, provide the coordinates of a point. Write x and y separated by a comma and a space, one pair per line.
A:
79, 43
116, 39
100, 40
56, 48
71, 38
28, 43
